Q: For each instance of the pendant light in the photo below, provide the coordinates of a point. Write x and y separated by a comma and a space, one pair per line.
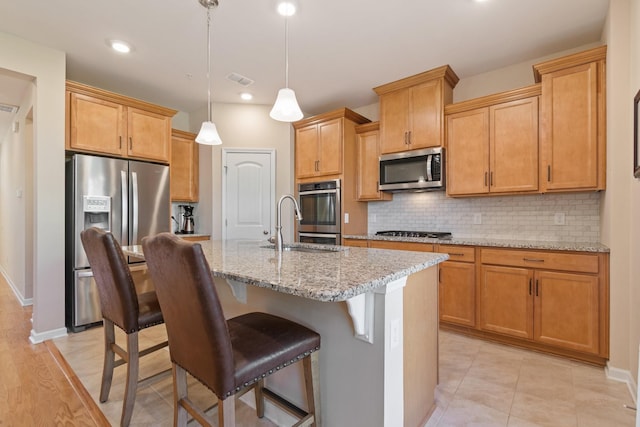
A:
208, 134
286, 107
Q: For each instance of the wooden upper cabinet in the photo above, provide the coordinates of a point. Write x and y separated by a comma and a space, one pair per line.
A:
411, 110
107, 123
368, 146
573, 122
149, 135
492, 144
184, 166
96, 125
319, 144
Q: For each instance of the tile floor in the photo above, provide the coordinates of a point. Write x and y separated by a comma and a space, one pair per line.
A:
481, 384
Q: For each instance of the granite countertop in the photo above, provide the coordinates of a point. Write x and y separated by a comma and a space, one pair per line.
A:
500, 243
334, 274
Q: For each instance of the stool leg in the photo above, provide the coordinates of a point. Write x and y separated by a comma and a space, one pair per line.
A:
259, 398
180, 414
227, 412
312, 385
132, 378
109, 357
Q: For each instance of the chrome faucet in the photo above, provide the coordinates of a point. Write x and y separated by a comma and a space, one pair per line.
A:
278, 241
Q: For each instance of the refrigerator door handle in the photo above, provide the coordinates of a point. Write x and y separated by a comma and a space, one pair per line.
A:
125, 208
134, 209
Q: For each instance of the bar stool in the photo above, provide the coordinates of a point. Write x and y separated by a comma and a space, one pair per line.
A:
231, 356
123, 307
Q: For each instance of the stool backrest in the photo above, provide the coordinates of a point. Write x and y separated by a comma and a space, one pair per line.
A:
198, 336
118, 298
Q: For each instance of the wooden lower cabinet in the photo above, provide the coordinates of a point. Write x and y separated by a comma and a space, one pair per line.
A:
401, 246
506, 303
564, 310
456, 299
355, 242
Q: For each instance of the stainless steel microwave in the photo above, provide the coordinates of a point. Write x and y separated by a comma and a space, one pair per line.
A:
417, 170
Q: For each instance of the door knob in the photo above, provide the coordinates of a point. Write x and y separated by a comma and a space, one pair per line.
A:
265, 232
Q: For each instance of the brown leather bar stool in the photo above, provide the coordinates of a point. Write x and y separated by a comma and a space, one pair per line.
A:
121, 306
231, 356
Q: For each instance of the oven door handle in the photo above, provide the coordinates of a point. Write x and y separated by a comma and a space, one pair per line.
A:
306, 193
317, 235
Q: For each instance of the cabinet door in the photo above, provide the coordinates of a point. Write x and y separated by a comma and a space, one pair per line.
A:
355, 242
184, 168
96, 125
369, 167
566, 311
569, 129
394, 121
425, 115
306, 151
467, 154
330, 147
514, 146
457, 295
401, 246
506, 301
149, 135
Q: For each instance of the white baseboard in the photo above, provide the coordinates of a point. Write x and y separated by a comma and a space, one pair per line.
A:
22, 300
38, 337
625, 377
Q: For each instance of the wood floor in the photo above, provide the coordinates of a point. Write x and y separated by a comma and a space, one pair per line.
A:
34, 388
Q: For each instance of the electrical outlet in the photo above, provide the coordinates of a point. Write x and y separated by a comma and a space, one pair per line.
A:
394, 334
346, 218
558, 218
477, 218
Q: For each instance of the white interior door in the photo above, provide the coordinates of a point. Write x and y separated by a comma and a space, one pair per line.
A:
248, 193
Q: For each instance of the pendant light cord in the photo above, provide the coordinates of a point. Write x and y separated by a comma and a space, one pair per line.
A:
209, 63
286, 51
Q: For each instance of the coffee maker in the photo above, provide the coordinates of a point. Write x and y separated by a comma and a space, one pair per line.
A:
188, 225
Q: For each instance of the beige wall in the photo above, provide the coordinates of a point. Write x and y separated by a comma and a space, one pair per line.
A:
47, 66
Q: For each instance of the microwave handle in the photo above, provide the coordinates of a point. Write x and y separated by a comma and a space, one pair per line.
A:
429, 174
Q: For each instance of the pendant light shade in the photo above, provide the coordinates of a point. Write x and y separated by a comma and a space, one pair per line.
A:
208, 134
286, 108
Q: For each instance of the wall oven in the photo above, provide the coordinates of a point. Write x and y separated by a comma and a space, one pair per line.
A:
320, 208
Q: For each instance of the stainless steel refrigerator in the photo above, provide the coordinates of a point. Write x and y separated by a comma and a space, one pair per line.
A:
128, 198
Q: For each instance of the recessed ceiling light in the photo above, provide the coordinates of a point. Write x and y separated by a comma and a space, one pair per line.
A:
286, 8
246, 96
120, 46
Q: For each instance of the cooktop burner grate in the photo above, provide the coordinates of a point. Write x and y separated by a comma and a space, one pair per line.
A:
429, 234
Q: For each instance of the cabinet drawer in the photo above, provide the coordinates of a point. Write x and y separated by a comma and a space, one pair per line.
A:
458, 253
587, 263
401, 246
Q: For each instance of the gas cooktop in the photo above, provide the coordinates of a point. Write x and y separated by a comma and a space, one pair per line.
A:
430, 234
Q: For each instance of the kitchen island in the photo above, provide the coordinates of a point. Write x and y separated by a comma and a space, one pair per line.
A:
376, 311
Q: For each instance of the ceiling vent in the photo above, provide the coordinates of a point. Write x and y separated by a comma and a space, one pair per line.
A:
240, 79
8, 108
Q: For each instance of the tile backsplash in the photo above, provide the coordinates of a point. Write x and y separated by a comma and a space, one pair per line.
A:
573, 217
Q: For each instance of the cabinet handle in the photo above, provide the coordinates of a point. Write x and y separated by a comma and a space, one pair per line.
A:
120, 141
455, 254
548, 173
409, 137
130, 143
530, 285
491, 179
406, 142
537, 288
485, 179
533, 259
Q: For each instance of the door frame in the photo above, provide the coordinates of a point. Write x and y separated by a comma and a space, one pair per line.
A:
272, 178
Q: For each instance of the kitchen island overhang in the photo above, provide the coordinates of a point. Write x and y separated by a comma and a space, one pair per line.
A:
375, 309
